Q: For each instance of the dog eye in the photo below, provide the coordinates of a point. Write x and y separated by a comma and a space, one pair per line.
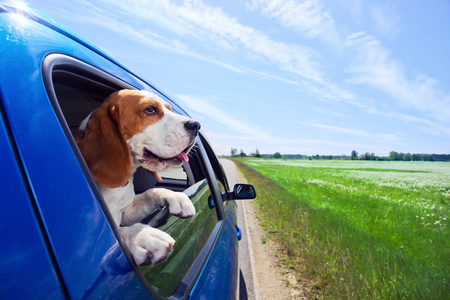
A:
150, 110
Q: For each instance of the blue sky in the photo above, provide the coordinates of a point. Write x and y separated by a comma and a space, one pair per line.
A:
298, 77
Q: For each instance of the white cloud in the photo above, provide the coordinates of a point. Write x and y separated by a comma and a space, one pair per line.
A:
358, 132
237, 131
306, 17
372, 65
206, 109
375, 67
149, 37
212, 28
421, 124
386, 19
358, 71
328, 112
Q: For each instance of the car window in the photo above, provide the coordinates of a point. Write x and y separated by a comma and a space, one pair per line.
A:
78, 91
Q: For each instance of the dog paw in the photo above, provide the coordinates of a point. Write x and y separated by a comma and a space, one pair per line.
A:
147, 245
181, 206
179, 203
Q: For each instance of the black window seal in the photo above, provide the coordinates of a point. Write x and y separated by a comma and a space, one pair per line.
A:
211, 176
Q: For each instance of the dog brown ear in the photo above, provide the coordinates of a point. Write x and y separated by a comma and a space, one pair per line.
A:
155, 174
104, 148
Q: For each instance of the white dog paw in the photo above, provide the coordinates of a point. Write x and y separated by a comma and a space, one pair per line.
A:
147, 245
181, 206
179, 203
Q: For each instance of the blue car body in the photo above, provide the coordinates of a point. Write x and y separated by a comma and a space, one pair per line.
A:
57, 242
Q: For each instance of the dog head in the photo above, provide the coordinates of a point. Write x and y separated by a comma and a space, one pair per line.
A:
134, 128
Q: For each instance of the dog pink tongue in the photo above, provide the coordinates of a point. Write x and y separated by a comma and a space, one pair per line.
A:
183, 156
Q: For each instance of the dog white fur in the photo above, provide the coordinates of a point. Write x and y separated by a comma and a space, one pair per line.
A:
131, 129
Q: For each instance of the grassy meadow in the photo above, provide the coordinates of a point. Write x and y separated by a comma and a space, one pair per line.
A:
359, 229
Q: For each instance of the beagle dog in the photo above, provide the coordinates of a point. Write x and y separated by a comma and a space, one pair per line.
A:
130, 129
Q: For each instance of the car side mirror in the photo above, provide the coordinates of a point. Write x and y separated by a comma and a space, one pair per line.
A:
242, 191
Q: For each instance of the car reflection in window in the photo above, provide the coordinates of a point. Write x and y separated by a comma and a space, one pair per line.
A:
190, 235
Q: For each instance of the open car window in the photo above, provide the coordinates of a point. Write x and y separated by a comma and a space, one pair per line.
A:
76, 89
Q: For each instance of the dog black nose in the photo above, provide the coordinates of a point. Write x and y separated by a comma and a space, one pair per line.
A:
193, 126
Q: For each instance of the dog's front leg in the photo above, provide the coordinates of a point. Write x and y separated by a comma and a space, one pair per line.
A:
143, 204
147, 245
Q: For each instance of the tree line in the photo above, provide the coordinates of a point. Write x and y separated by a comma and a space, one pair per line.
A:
393, 156
399, 156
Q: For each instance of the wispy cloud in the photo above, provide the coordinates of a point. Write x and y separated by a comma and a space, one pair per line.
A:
306, 17
351, 131
328, 112
375, 67
419, 123
386, 18
320, 62
238, 130
211, 27
149, 38
371, 63
203, 107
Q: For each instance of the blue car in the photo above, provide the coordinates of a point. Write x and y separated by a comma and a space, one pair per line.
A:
58, 238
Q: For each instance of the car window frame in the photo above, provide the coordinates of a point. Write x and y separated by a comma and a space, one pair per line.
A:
62, 62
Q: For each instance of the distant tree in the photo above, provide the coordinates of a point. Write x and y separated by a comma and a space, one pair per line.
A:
233, 152
354, 154
407, 157
428, 157
441, 157
277, 155
242, 154
417, 157
368, 156
395, 156
257, 154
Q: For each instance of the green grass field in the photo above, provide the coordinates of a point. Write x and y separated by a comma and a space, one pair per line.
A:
359, 229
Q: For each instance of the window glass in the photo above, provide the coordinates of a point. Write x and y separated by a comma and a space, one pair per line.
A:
190, 234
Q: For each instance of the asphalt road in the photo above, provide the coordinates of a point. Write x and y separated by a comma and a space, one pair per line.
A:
246, 284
